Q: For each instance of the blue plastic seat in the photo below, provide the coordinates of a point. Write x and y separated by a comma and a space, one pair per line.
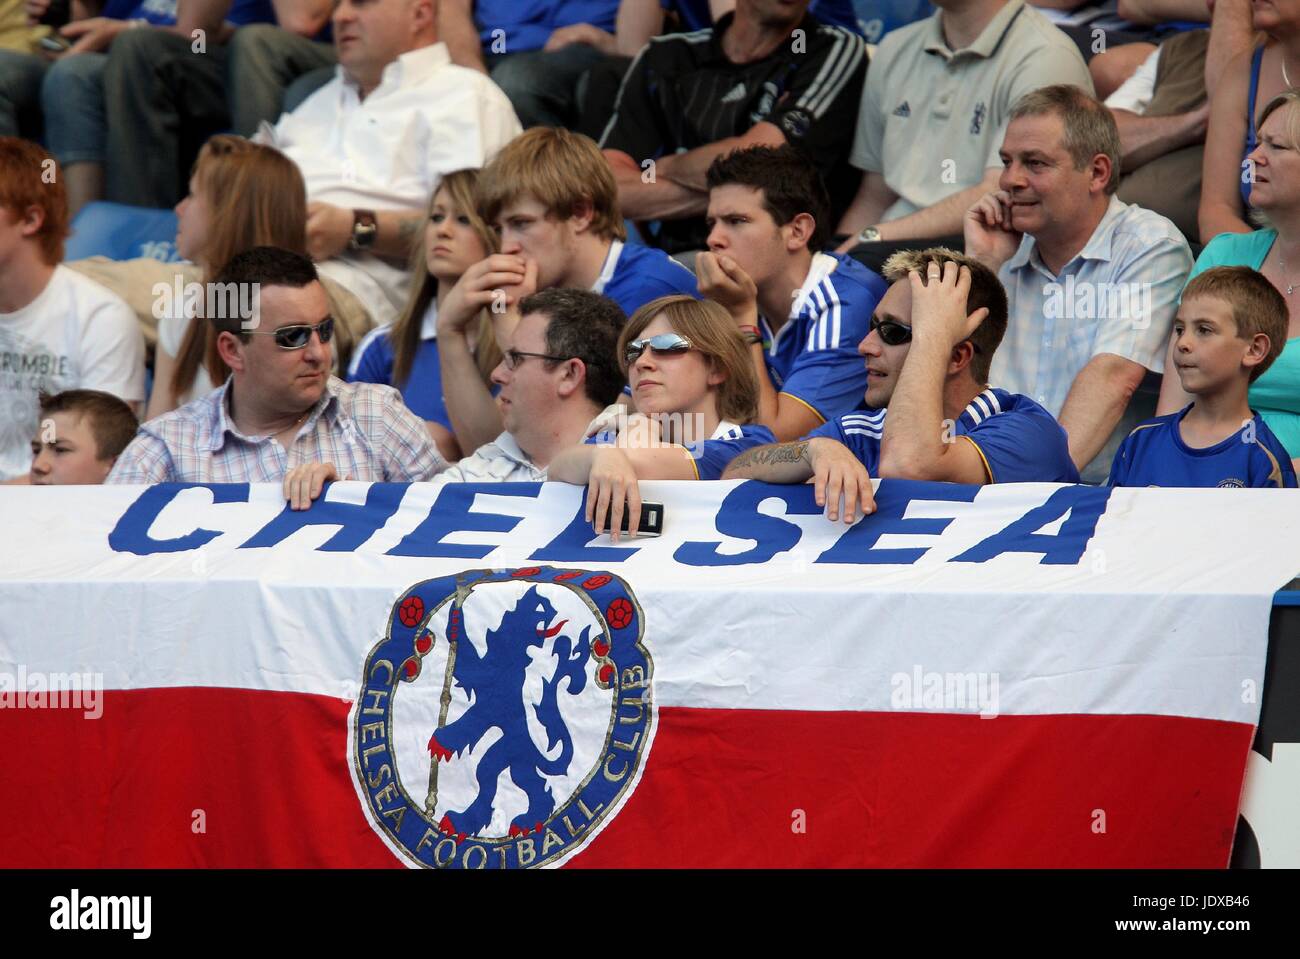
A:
122, 232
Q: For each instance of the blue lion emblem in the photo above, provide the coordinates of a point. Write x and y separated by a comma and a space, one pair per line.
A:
566, 664
494, 682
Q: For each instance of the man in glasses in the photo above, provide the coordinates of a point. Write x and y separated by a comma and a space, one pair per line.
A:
557, 372
281, 406
932, 340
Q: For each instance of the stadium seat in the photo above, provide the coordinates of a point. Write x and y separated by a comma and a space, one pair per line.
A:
122, 232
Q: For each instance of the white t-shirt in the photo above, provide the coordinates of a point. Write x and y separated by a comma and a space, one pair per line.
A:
75, 335
427, 118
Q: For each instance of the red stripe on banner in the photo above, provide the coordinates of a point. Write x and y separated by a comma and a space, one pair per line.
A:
262, 773
222, 777
725, 788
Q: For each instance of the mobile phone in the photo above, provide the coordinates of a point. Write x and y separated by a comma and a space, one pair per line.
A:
54, 44
652, 520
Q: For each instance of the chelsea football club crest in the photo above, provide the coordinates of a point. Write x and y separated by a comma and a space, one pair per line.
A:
504, 718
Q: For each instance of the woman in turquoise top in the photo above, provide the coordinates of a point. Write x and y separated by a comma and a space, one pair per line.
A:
1274, 252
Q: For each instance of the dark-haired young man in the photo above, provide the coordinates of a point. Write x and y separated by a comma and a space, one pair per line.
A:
928, 354
281, 406
768, 73
803, 311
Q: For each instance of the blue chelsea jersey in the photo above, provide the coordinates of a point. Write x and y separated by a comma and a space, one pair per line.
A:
1019, 441
1154, 454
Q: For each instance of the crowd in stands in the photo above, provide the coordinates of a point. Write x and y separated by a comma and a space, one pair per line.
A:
600, 242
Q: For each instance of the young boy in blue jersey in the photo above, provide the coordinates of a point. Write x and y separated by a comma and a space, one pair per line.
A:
551, 197
802, 311
927, 356
1231, 325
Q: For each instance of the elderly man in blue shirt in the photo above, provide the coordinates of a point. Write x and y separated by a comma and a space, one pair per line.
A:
1092, 282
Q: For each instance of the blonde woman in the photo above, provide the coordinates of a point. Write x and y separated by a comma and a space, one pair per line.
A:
404, 354
696, 396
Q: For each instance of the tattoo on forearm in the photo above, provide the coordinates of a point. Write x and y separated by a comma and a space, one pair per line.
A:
771, 455
407, 229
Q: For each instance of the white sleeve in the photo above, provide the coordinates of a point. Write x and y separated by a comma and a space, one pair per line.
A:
1135, 93
112, 351
171, 334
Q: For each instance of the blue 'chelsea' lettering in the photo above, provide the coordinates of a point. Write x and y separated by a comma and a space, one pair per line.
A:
858, 545
739, 517
131, 534
451, 513
1077, 508
357, 523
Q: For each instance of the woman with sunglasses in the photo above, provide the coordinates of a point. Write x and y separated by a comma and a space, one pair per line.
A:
695, 395
405, 354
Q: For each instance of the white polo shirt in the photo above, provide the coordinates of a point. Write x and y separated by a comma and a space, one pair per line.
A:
501, 461
428, 117
932, 119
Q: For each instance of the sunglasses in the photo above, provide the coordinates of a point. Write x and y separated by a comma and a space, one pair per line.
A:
891, 333
660, 344
297, 337
896, 334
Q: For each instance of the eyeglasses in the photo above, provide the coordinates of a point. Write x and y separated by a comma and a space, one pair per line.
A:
668, 343
514, 357
297, 337
891, 333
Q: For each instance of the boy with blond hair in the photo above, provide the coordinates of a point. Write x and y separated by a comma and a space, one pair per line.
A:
1230, 327
550, 195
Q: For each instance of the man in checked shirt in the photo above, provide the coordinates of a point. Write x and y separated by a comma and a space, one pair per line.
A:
280, 406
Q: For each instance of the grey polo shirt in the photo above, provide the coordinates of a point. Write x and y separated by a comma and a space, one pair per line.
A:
932, 120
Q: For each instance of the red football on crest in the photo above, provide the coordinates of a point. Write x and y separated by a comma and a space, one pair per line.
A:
606, 673
600, 647
411, 610
596, 582
619, 613
530, 571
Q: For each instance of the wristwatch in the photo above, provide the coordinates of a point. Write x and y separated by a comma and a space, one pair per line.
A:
364, 230
869, 235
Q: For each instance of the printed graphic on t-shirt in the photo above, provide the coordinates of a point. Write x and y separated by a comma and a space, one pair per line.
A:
27, 366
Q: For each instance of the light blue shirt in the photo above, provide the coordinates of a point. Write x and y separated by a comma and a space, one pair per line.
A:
1118, 295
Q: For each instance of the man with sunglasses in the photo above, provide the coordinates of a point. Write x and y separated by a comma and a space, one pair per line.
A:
928, 353
281, 406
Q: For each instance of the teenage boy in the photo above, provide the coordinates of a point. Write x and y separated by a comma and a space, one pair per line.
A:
550, 195
1231, 326
81, 435
58, 329
927, 357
